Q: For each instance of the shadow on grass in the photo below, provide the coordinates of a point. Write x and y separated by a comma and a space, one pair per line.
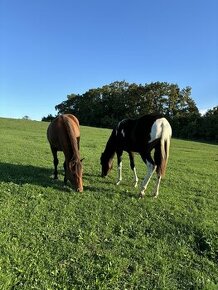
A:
28, 174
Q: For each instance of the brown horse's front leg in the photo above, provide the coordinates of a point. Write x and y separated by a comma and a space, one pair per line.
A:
55, 161
65, 176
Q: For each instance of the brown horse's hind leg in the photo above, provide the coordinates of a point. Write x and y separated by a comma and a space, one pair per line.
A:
65, 176
54, 152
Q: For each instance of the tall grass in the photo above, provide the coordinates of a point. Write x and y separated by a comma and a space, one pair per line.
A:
104, 238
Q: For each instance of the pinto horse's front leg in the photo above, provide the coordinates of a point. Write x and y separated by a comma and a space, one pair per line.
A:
135, 177
119, 167
132, 165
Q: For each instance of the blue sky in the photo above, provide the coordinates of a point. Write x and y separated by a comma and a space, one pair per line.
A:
51, 48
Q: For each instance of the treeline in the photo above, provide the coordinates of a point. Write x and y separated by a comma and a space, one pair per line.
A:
204, 128
106, 106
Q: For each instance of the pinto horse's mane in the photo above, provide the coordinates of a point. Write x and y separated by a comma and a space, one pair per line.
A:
110, 148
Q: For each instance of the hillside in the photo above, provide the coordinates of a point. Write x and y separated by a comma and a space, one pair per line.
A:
104, 238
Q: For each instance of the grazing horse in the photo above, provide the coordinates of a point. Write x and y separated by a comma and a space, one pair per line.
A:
64, 135
142, 136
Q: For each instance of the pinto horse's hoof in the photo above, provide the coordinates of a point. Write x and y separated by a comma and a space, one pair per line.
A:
136, 184
141, 195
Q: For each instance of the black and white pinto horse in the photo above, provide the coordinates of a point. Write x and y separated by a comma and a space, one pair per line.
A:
142, 136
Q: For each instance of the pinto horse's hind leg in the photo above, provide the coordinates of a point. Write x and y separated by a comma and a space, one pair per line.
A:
157, 160
157, 186
151, 168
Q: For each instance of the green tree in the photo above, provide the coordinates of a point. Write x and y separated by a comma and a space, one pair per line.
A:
212, 112
49, 118
109, 104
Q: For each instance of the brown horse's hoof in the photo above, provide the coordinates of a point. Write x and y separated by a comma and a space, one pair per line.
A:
141, 195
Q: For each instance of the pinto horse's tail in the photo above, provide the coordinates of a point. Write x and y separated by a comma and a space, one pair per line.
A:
164, 146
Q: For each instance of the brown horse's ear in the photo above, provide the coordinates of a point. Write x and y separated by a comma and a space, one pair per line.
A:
81, 160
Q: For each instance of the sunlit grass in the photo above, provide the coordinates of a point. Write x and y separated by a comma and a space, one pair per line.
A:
104, 238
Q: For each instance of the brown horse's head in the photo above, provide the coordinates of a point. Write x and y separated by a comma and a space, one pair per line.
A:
74, 174
106, 164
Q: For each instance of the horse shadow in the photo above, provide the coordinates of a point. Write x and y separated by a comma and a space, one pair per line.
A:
111, 189
28, 174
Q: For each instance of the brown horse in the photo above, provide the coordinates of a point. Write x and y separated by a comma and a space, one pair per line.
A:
64, 135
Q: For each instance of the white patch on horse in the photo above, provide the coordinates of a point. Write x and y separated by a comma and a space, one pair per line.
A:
157, 128
135, 177
122, 132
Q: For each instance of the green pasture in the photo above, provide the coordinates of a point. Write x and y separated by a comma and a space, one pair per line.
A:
105, 238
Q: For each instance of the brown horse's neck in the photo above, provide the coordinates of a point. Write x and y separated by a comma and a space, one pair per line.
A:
74, 141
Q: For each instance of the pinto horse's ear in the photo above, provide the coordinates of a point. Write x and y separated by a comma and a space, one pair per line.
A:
81, 160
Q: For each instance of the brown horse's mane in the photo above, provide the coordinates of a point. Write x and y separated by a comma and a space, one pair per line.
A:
73, 140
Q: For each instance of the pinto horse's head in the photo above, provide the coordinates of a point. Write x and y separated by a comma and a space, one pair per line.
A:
74, 174
106, 164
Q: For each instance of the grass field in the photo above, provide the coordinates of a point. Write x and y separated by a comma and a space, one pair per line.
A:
105, 238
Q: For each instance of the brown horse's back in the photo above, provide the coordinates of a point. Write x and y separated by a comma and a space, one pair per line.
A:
56, 131
75, 123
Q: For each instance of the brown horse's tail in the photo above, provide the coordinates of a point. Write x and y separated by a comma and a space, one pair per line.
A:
164, 146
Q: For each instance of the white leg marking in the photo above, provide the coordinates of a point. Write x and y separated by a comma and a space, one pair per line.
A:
135, 177
151, 169
156, 189
119, 178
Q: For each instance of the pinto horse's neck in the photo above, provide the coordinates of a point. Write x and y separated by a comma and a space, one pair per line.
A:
110, 148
